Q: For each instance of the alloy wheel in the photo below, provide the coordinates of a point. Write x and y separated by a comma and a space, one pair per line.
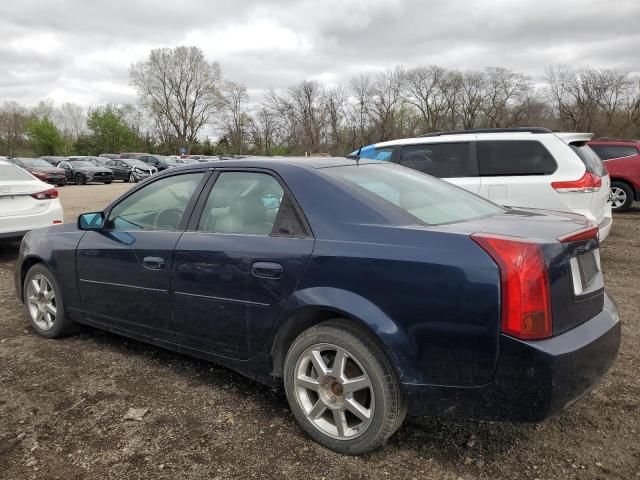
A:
334, 391
618, 197
41, 300
132, 179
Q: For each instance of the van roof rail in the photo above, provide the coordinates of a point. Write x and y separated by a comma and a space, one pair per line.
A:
490, 130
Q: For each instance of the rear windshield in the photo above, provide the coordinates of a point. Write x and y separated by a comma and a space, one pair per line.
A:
429, 200
11, 173
590, 159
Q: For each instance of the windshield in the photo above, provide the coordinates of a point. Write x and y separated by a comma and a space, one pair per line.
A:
12, 173
81, 163
135, 163
35, 162
430, 200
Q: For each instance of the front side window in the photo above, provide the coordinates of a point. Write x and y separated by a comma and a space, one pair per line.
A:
442, 160
250, 203
159, 205
513, 158
373, 153
428, 200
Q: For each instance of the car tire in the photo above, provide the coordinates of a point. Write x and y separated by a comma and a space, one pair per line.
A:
622, 196
79, 179
44, 304
368, 415
132, 178
107, 183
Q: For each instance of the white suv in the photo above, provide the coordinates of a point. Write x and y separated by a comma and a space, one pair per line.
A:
25, 202
517, 167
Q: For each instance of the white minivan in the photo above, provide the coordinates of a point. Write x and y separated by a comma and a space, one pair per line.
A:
516, 167
25, 202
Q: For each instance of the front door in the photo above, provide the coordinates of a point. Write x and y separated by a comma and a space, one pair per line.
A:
124, 270
238, 264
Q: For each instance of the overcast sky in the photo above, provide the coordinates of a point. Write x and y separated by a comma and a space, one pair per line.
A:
80, 51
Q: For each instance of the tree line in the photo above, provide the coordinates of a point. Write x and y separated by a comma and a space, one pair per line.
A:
183, 98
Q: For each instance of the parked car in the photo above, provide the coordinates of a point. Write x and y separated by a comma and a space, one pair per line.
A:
97, 161
81, 172
42, 170
368, 289
110, 156
131, 155
622, 161
25, 202
517, 167
54, 160
159, 161
130, 170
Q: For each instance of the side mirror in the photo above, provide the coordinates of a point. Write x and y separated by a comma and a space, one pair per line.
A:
91, 221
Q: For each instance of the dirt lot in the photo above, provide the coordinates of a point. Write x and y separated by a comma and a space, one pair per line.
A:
62, 404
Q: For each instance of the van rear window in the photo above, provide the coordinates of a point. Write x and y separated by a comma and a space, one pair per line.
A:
590, 159
514, 157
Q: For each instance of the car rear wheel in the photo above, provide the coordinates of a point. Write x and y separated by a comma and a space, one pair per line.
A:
44, 303
342, 388
79, 179
622, 196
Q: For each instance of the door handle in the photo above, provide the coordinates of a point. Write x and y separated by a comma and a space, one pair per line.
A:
153, 263
267, 270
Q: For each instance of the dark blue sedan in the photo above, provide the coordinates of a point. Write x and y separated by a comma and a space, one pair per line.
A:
369, 290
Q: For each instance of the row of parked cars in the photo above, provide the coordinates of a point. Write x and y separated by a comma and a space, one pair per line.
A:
105, 168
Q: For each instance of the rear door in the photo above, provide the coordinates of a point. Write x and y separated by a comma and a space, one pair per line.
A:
454, 162
238, 263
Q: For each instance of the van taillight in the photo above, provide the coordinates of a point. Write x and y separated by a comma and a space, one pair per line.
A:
46, 195
588, 183
526, 307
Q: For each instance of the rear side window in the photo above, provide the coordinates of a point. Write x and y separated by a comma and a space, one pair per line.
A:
605, 152
12, 173
514, 157
591, 161
442, 160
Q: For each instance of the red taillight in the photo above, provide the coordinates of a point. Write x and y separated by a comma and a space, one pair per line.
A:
590, 182
590, 233
526, 308
57, 222
46, 195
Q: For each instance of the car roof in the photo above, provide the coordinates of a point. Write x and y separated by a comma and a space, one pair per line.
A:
275, 162
634, 143
450, 137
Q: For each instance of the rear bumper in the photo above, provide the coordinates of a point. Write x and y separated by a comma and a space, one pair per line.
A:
605, 228
534, 379
16, 226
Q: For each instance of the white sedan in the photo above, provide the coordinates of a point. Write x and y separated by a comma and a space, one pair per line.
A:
25, 202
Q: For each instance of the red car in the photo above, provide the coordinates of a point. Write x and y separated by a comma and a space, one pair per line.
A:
41, 169
622, 160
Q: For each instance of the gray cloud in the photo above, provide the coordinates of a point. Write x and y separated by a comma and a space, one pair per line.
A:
81, 51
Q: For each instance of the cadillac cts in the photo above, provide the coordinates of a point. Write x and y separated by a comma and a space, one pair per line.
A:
369, 290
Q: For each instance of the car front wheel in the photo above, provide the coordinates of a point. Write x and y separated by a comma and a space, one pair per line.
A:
621, 195
79, 179
342, 388
132, 178
44, 303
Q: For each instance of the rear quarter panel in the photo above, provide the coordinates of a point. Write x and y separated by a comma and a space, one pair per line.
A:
432, 299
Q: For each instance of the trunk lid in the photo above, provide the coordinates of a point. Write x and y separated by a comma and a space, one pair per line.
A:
16, 199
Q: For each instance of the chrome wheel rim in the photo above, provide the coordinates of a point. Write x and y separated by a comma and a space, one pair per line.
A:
334, 391
41, 301
618, 197
132, 179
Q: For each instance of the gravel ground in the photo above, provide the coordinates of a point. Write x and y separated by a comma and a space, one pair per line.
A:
63, 405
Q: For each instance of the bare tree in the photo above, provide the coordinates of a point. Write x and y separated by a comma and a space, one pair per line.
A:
471, 98
13, 126
505, 91
235, 118
181, 86
427, 91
